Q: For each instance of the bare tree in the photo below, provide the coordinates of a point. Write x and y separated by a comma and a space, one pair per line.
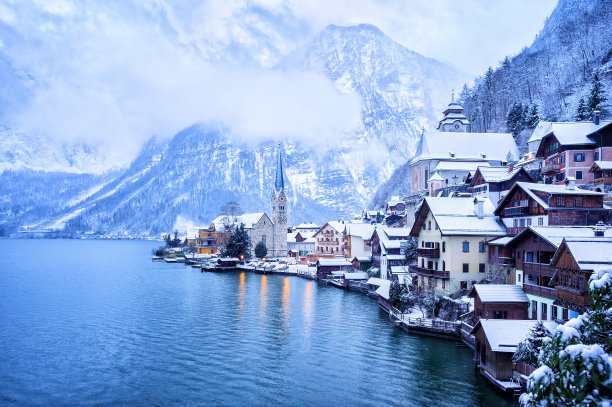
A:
230, 211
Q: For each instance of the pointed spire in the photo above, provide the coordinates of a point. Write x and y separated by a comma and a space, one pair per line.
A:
453, 96
279, 183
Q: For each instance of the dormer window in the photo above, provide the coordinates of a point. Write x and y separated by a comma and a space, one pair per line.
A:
452, 154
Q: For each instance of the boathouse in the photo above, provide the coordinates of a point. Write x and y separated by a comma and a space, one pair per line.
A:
499, 301
326, 268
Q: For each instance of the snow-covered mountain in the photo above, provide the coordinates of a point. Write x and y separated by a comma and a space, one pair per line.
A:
203, 166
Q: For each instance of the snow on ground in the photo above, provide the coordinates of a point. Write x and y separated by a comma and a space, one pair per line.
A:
61, 222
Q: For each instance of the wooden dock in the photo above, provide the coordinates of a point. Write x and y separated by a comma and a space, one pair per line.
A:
435, 327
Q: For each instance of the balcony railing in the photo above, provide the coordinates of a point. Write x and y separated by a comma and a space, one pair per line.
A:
538, 268
516, 210
514, 231
421, 271
550, 168
545, 292
428, 252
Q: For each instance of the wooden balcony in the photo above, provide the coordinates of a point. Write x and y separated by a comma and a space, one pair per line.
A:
578, 297
538, 269
428, 252
541, 291
514, 231
547, 168
421, 271
516, 211
603, 181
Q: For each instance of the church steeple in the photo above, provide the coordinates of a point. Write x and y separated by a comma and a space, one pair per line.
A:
279, 183
454, 119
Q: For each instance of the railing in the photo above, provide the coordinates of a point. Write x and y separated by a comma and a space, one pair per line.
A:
550, 168
429, 272
514, 230
579, 297
602, 180
428, 252
538, 268
541, 291
516, 210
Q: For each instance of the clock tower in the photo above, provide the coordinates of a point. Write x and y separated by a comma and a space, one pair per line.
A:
454, 119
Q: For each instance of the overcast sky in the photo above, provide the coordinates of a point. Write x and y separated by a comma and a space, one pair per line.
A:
120, 71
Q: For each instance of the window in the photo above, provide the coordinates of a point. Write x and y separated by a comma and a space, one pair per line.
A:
436, 225
443, 284
528, 221
466, 247
562, 159
554, 312
466, 268
422, 243
429, 225
540, 221
565, 316
595, 155
544, 311
464, 285
534, 309
500, 314
515, 222
443, 267
522, 222
518, 278
263, 239
443, 247
560, 176
579, 174
481, 267
481, 247
529, 257
578, 201
559, 201
578, 157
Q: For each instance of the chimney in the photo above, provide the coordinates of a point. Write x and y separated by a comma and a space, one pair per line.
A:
510, 168
596, 114
599, 229
479, 207
570, 183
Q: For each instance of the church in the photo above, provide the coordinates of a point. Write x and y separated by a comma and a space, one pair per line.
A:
272, 230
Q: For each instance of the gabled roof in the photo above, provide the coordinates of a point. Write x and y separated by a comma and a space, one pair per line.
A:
573, 133
356, 276
383, 290
456, 216
460, 165
376, 281
249, 219
601, 166
334, 262
541, 129
308, 226
504, 335
492, 174
499, 293
363, 230
547, 189
337, 226
555, 234
440, 145
589, 254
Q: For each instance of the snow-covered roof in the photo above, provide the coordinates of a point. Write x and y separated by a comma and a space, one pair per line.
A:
593, 254
500, 241
355, 276
334, 262
460, 165
383, 290
397, 232
575, 133
400, 270
291, 237
396, 257
602, 165
440, 145
504, 335
363, 230
541, 129
499, 293
456, 216
531, 189
362, 258
394, 201
497, 173
555, 234
376, 281
307, 226
338, 225
249, 219
436, 177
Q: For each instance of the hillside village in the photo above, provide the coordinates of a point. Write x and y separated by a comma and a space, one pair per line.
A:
478, 250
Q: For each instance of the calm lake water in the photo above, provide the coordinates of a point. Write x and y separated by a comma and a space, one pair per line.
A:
96, 322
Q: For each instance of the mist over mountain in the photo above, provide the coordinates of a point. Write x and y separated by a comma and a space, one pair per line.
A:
187, 179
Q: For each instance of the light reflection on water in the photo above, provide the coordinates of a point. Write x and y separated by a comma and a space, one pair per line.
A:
263, 297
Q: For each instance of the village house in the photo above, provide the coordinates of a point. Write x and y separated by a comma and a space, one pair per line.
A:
307, 227
300, 243
556, 205
452, 236
496, 342
388, 251
359, 236
454, 153
328, 268
602, 173
208, 240
529, 161
573, 264
331, 239
534, 249
395, 206
494, 182
258, 225
499, 301
569, 149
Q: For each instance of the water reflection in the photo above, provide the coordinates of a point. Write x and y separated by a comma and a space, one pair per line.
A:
307, 309
285, 303
241, 287
263, 296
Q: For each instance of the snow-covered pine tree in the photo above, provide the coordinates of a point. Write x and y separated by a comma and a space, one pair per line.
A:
238, 243
514, 121
582, 112
575, 364
528, 350
532, 118
597, 98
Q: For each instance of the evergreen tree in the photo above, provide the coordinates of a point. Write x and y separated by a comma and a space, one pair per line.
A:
575, 367
514, 121
528, 350
582, 112
238, 243
532, 118
261, 250
597, 97
397, 297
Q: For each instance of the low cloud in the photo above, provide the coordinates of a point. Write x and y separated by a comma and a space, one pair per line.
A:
116, 81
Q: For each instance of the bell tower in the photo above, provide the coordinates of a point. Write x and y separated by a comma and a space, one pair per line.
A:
279, 210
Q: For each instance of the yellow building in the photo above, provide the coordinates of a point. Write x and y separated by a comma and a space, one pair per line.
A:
209, 240
452, 235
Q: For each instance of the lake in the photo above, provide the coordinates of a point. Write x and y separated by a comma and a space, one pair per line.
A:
96, 322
